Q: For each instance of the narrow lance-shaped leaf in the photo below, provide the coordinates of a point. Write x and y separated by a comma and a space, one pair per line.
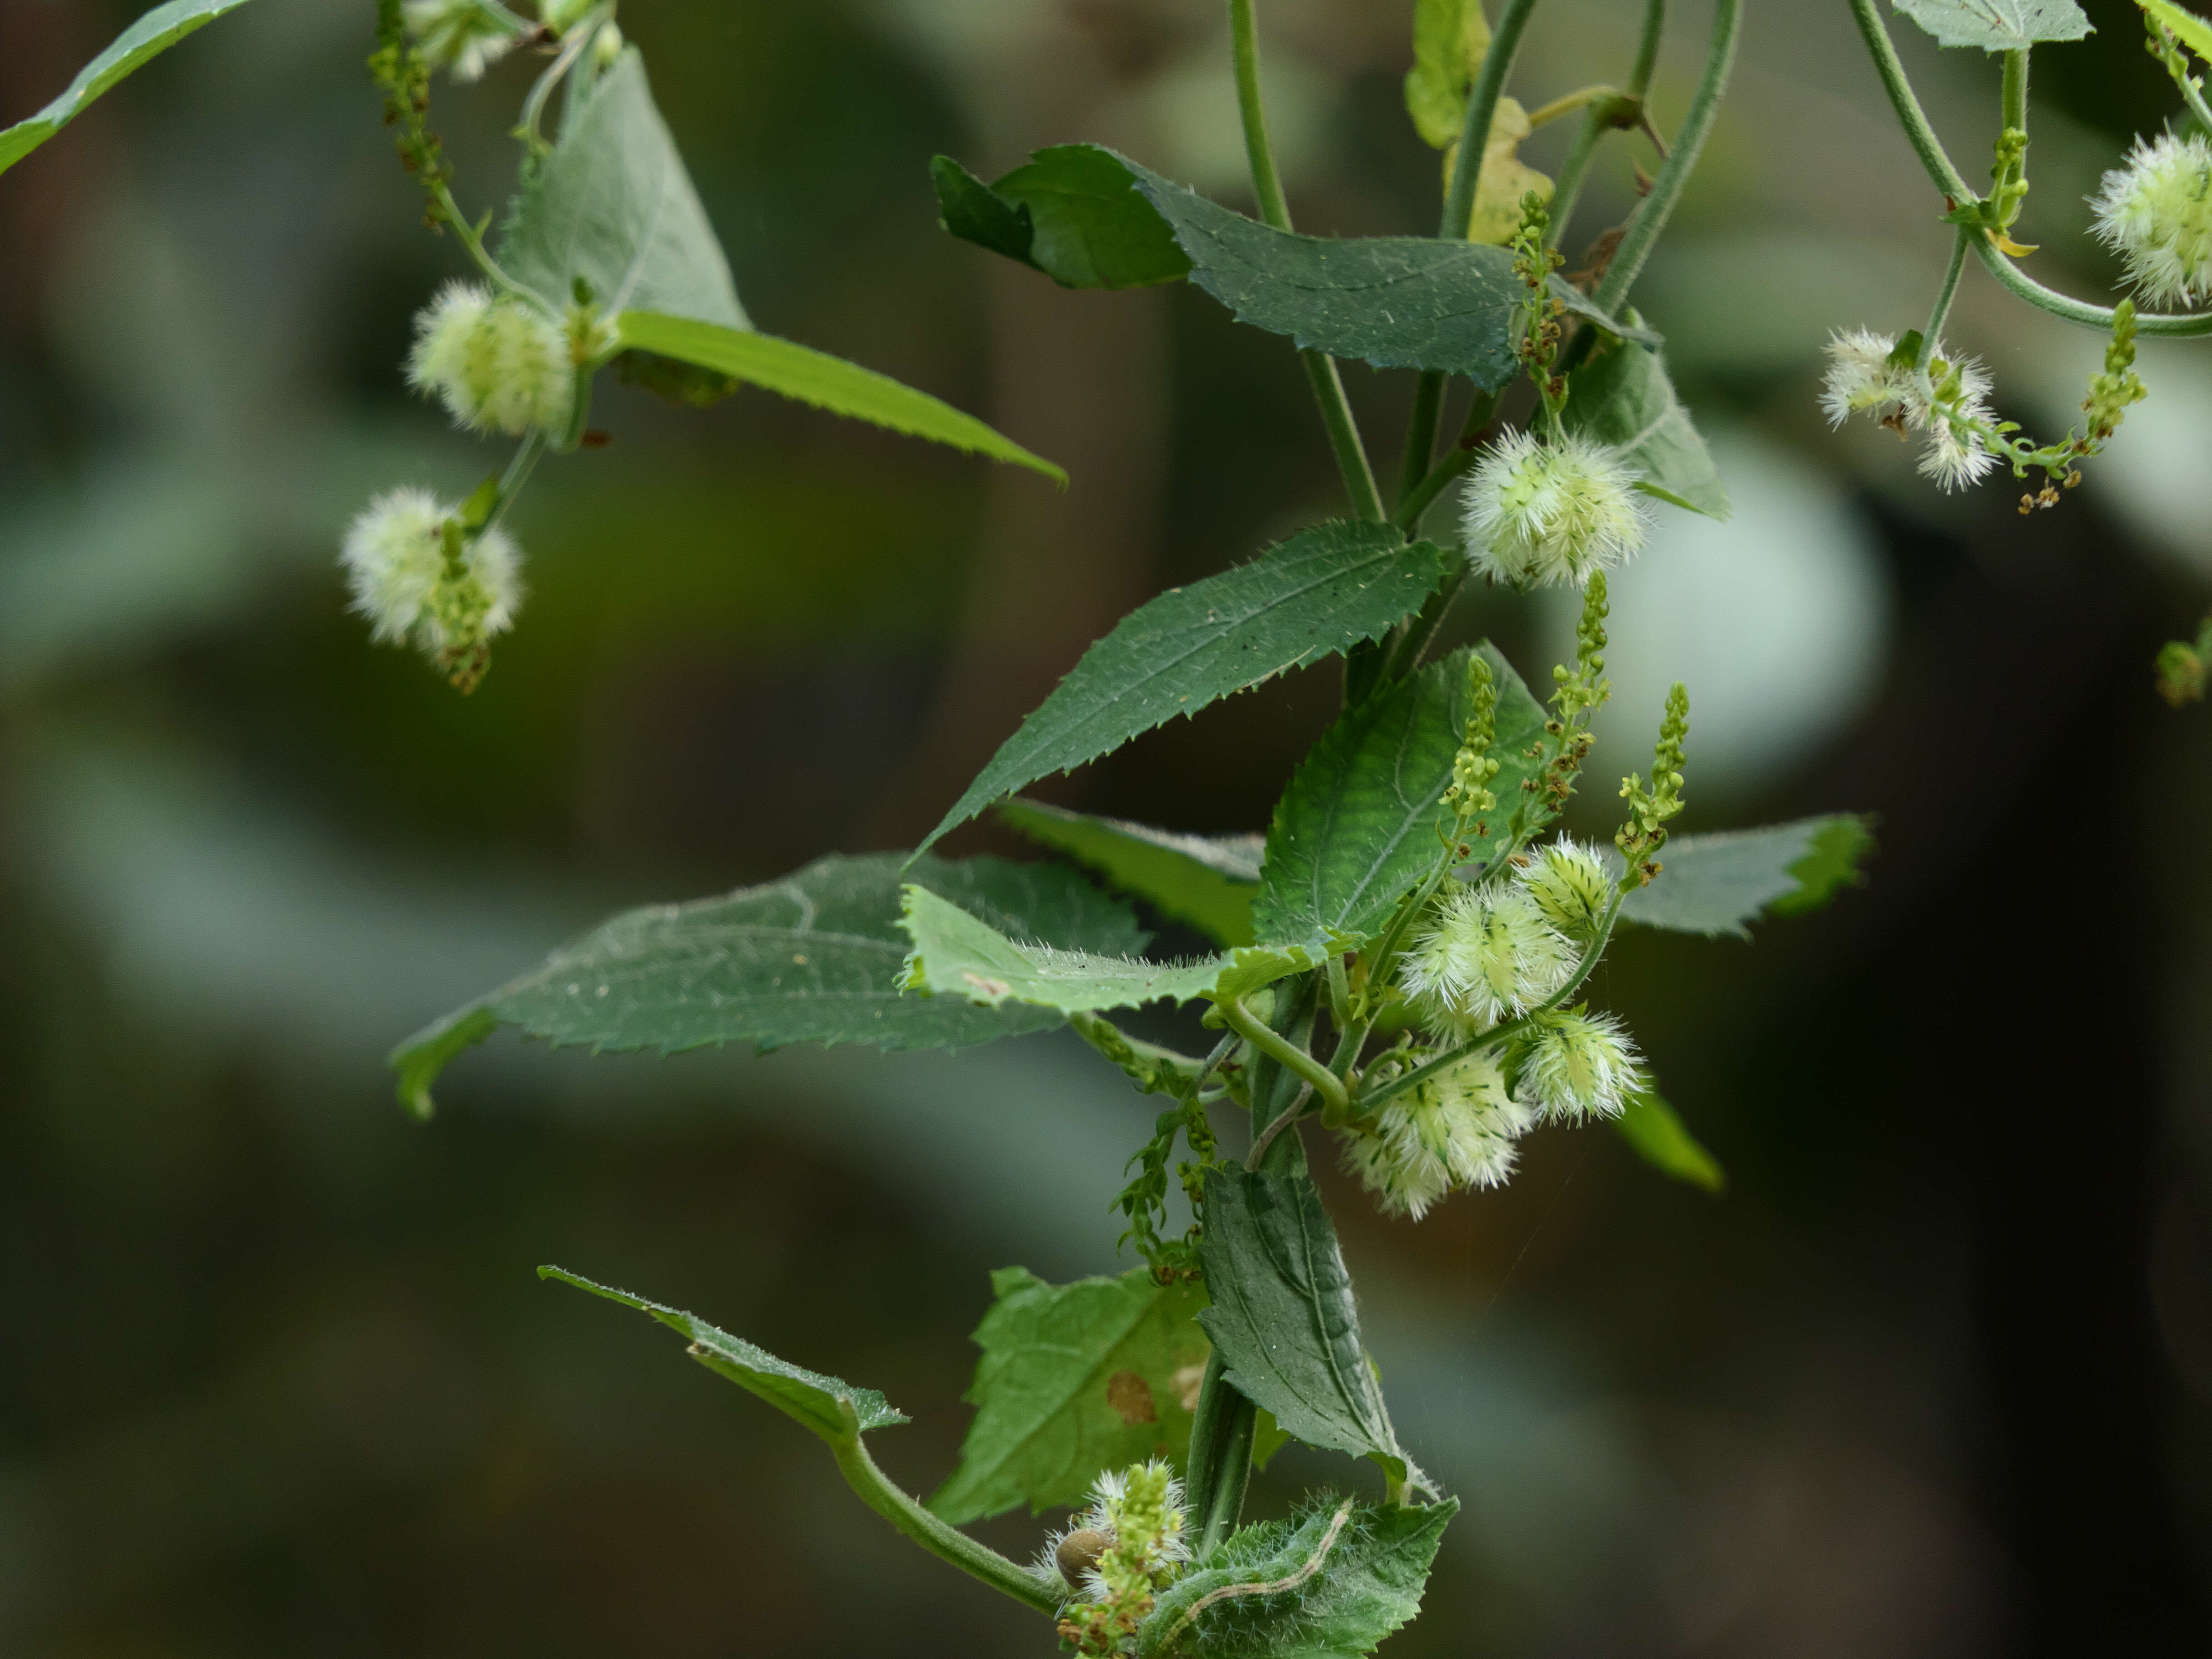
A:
813, 377
1283, 1315
1662, 1140
832, 1408
1717, 884
1075, 1380
154, 34
1328, 1583
1622, 397
613, 206
1072, 211
1357, 825
1997, 25
1207, 881
814, 957
1321, 592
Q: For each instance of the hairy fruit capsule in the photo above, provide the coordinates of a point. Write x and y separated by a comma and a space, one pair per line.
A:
497, 364
1455, 1128
399, 558
1551, 514
1487, 954
2156, 214
1570, 886
1579, 1066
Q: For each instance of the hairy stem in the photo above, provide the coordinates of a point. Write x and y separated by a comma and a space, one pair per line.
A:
1275, 209
977, 1560
2013, 108
1666, 189
517, 474
1944, 295
1288, 1055
1603, 118
1226, 1502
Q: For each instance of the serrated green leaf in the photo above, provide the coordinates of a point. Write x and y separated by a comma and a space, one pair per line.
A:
1622, 397
813, 377
153, 34
2192, 31
1075, 1380
1283, 1315
1717, 884
1451, 38
815, 957
1997, 25
1395, 301
612, 204
832, 1408
1323, 590
1207, 881
1071, 211
1330, 1583
1662, 1140
1357, 826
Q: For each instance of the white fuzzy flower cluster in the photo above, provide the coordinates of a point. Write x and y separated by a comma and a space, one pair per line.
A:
2156, 214
394, 557
1487, 954
498, 364
1579, 1066
1452, 1129
1950, 404
459, 35
1548, 515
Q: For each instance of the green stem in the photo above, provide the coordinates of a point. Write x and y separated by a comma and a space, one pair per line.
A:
1666, 189
1283, 1052
1275, 209
1947, 180
1567, 103
1573, 171
2177, 66
1647, 49
1421, 439
485, 263
977, 1560
1415, 506
1209, 1436
1233, 1474
2012, 107
1943, 298
533, 108
511, 481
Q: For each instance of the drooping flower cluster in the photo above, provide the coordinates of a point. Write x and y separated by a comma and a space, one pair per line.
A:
421, 581
1867, 375
1115, 1556
498, 365
2156, 214
1454, 1128
1548, 515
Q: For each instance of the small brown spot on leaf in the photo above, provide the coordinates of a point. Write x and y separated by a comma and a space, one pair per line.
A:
1131, 1395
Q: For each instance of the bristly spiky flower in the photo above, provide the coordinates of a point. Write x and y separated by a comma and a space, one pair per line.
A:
420, 583
1868, 374
495, 363
1570, 886
1551, 514
1579, 1066
458, 35
1453, 1129
2156, 214
1486, 954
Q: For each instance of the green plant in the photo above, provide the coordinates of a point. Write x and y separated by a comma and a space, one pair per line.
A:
1402, 959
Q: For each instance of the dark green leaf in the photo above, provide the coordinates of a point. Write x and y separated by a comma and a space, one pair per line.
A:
1322, 591
1717, 884
1661, 1139
815, 957
1071, 211
154, 34
1075, 1380
1997, 25
815, 377
1357, 826
1328, 1583
1268, 1438
613, 205
1283, 1315
835, 1410
1622, 397
1207, 881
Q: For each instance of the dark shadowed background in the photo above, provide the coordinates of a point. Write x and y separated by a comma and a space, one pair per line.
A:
1934, 1377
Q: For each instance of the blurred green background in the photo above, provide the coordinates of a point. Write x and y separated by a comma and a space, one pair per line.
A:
1935, 1376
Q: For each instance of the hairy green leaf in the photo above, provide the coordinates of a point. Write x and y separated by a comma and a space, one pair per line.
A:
1717, 884
1075, 1380
815, 957
835, 1410
2188, 28
959, 956
814, 377
154, 34
1450, 38
1357, 825
1323, 590
1207, 881
1283, 1315
612, 206
1997, 25
1072, 211
1662, 1140
1328, 1583
1622, 397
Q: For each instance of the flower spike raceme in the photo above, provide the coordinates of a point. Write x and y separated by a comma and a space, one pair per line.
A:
1115, 1558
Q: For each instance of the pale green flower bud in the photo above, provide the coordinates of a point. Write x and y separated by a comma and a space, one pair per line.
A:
1454, 1129
1551, 514
1487, 954
1570, 886
497, 364
396, 560
2156, 214
1578, 1065
458, 35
